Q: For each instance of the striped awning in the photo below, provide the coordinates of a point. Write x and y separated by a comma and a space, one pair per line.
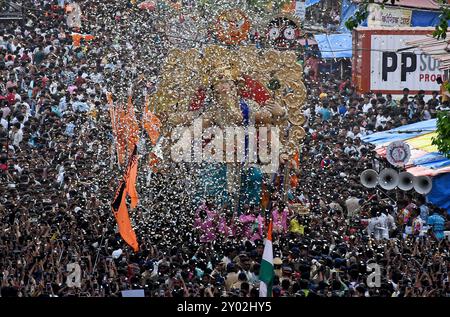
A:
438, 49
425, 158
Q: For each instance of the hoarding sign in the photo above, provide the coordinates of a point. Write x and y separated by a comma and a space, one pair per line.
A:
392, 71
388, 17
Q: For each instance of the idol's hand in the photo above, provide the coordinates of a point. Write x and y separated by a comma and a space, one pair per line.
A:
275, 109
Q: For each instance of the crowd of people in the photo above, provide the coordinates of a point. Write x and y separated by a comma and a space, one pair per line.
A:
58, 169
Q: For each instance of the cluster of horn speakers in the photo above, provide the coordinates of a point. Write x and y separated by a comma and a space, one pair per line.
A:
389, 179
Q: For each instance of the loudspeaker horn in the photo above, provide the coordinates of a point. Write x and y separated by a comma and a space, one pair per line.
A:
388, 179
405, 181
423, 184
369, 178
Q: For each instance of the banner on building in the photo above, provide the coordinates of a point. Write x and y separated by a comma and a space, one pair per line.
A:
388, 17
393, 70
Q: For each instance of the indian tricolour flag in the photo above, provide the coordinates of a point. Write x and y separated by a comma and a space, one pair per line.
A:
266, 272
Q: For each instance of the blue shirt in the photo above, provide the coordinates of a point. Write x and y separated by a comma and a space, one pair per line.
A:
424, 213
70, 129
437, 222
80, 106
342, 110
62, 105
326, 114
55, 109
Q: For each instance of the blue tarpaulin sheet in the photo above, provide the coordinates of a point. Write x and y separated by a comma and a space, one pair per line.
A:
424, 18
440, 194
401, 133
309, 3
348, 10
334, 45
433, 160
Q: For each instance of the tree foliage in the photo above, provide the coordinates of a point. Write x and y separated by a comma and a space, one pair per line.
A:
363, 12
442, 140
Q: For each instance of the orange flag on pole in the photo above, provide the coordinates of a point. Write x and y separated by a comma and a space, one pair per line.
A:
120, 211
116, 113
121, 128
153, 161
151, 124
131, 176
132, 127
125, 128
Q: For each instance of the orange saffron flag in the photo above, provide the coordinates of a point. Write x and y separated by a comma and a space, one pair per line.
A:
131, 127
77, 37
131, 176
153, 161
296, 164
116, 114
151, 124
121, 133
125, 128
120, 211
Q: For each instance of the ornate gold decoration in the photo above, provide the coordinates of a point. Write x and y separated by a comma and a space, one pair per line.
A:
185, 72
296, 134
296, 117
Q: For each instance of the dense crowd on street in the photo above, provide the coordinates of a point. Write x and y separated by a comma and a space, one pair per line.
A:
58, 171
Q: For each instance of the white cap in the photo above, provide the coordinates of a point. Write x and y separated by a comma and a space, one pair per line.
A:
117, 253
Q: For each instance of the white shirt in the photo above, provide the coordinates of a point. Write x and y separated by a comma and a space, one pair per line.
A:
352, 135
371, 226
381, 121
317, 108
4, 123
307, 114
96, 78
385, 226
349, 149
12, 47
17, 137
426, 115
352, 205
53, 88
377, 227
366, 107
47, 49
